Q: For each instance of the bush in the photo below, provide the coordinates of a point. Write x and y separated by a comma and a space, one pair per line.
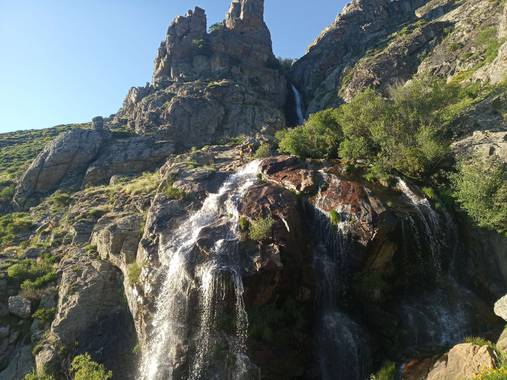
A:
481, 189
260, 229
14, 226
216, 27
388, 372
134, 271
263, 151
29, 269
400, 134
45, 315
172, 192
319, 137
34, 376
493, 374
39, 282
84, 368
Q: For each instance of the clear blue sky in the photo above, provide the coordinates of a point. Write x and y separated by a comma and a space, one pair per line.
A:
65, 61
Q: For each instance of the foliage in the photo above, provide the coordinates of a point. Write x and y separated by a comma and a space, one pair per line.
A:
481, 189
334, 217
478, 341
260, 228
493, 374
172, 192
399, 134
13, 226
388, 372
29, 269
264, 150
285, 63
34, 376
45, 315
39, 282
134, 271
488, 40
146, 183
243, 223
216, 27
84, 368
319, 137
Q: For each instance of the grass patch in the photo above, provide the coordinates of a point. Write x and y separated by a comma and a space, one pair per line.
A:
134, 272
261, 228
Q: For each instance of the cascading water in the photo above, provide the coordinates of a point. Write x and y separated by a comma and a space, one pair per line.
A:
216, 279
341, 345
299, 105
430, 221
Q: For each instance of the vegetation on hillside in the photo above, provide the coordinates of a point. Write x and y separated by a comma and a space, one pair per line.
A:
481, 189
84, 368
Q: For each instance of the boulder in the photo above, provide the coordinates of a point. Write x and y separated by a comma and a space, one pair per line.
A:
127, 156
501, 344
501, 307
20, 307
61, 163
463, 362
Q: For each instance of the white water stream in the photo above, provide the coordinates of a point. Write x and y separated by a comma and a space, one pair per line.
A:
299, 105
215, 277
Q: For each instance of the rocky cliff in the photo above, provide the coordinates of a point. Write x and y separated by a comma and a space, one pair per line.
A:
171, 240
211, 85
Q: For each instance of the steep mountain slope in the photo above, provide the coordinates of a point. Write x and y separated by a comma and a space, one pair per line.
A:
170, 241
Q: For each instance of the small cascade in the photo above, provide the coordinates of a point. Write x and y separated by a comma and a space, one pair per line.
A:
299, 105
341, 344
176, 341
430, 222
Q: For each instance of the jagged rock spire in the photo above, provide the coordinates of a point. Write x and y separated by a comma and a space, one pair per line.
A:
245, 11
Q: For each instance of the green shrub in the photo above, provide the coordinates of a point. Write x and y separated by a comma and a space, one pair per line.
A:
13, 226
493, 374
478, 341
172, 192
260, 229
84, 368
480, 188
334, 217
7, 193
263, 151
216, 27
319, 137
243, 223
388, 372
29, 269
39, 282
45, 315
134, 271
34, 376
400, 134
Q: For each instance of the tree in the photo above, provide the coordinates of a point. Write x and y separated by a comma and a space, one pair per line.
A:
480, 187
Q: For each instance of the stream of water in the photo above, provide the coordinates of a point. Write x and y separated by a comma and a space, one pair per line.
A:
215, 278
299, 105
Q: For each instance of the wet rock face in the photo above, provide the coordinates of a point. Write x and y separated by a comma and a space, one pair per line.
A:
207, 86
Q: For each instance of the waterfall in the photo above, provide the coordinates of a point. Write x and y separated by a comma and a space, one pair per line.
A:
341, 344
430, 221
176, 340
299, 105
